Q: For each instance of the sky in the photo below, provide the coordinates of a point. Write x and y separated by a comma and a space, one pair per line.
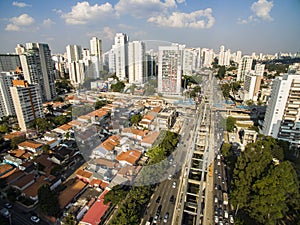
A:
261, 26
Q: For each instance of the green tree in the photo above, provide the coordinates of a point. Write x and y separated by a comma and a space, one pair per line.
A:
135, 119
230, 123
17, 140
221, 72
272, 194
225, 150
226, 90
118, 87
4, 128
115, 195
48, 201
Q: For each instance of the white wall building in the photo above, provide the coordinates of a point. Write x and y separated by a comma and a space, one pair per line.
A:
137, 66
27, 102
244, 67
191, 60
207, 56
96, 50
6, 102
279, 104
37, 66
170, 69
121, 56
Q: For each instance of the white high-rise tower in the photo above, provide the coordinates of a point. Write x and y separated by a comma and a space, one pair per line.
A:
137, 66
170, 69
121, 57
96, 50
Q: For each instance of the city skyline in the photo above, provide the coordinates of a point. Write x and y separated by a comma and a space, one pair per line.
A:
259, 26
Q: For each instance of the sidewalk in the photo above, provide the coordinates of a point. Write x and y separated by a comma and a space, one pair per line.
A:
209, 194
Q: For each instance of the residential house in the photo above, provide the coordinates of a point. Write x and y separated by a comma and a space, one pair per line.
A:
129, 157
32, 146
134, 133
150, 139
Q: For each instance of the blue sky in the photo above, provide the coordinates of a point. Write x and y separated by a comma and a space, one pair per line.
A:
248, 25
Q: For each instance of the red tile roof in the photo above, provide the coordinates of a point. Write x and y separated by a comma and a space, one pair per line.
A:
95, 213
130, 156
30, 144
73, 188
151, 137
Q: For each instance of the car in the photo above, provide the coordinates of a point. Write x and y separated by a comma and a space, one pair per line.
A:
174, 185
216, 219
225, 214
170, 176
155, 220
220, 211
231, 219
166, 217
8, 205
35, 219
216, 200
158, 199
221, 222
158, 210
216, 171
219, 176
172, 199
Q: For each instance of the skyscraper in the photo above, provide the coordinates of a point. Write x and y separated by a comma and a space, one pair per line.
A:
38, 68
170, 69
76, 65
96, 50
121, 56
137, 66
244, 67
9, 62
191, 60
282, 114
27, 102
6, 102
74, 53
207, 57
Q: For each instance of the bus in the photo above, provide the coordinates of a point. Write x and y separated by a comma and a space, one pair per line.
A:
225, 198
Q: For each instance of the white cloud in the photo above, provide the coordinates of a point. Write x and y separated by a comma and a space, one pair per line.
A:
180, 1
20, 23
48, 22
198, 19
20, 4
106, 33
144, 8
83, 13
262, 9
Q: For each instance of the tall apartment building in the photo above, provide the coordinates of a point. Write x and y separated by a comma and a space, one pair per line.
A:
9, 62
282, 114
74, 53
244, 67
207, 56
76, 64
121, 55
290, 125
170, 69
251, 86
96, 50
137, 64
27, 102
38, 68
191, 60
6, 102
112, 60
224, 56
